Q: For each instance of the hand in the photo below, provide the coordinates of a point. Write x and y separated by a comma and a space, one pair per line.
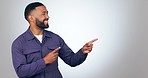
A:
52, 56
88, 46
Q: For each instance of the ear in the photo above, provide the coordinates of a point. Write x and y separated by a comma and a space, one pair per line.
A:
31, 18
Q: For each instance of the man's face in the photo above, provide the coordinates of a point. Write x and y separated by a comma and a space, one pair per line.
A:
41, 17
42, 24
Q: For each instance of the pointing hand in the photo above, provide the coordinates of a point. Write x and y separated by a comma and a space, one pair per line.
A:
88, 46
52, 56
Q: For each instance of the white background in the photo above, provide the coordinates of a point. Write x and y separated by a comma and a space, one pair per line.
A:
120, 26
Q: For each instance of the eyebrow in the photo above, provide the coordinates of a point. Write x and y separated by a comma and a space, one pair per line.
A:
45, 11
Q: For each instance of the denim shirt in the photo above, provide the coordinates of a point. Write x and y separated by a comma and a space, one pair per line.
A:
28, 54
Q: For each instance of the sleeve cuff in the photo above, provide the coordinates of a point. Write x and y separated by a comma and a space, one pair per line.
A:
41, 63
82, 55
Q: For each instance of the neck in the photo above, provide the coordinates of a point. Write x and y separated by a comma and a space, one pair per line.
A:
36, 30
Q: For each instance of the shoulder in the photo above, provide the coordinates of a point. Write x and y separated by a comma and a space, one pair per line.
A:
52, 34
55, 37
19, 40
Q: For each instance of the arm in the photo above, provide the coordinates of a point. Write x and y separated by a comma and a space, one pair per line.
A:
21, 67
69, 57
74, 59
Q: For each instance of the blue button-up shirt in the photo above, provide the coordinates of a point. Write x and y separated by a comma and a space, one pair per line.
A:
28, 54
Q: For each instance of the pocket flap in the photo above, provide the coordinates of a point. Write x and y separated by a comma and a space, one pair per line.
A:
29, 51
52, 48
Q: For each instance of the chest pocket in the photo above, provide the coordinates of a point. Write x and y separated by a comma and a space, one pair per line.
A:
32, 55
51, 48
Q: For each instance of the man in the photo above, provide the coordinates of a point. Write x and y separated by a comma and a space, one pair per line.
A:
35, 52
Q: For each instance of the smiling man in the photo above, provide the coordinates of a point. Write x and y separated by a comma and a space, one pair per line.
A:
35, 53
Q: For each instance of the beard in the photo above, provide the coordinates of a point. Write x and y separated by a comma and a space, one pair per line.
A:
41, 24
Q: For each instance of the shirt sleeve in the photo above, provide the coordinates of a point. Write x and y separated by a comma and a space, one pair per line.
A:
69, 57
19, 62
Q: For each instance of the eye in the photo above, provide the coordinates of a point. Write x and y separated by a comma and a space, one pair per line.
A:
43, 13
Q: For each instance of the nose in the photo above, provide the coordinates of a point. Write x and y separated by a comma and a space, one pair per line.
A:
47, 16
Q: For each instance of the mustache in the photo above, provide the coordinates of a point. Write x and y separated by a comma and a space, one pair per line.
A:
45, 19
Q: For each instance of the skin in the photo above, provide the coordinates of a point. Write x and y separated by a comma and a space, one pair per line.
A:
41, 13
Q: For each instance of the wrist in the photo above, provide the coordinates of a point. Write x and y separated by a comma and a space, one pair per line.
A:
45, 60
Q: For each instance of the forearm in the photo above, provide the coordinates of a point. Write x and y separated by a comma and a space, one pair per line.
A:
77, 58
73, 59
28, 70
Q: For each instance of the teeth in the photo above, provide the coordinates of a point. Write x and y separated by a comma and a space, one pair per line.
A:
45, 22
86, 51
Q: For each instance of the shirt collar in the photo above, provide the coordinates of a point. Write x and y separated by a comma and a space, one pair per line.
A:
46, 34
30, 36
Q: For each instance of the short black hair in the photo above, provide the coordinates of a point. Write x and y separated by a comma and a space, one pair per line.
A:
31, 7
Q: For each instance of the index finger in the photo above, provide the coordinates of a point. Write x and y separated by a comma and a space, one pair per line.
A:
55, 50
90, 42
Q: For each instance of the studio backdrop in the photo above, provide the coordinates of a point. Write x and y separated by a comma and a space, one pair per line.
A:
121, 27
